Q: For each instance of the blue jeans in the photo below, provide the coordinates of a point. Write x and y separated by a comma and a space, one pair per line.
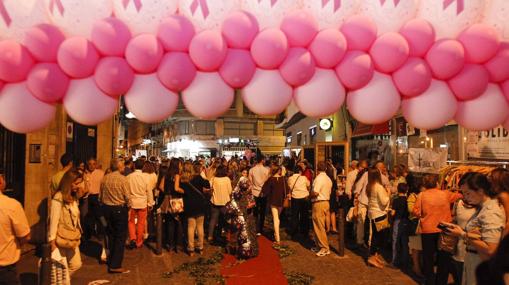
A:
400, 242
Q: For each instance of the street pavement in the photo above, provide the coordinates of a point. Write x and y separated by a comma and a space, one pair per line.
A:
147, 268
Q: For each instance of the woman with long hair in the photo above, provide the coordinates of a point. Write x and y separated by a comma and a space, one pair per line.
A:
414, 238
499, 179
172, 190
276, 190
65, 227
221, 190
378, 205
483, 231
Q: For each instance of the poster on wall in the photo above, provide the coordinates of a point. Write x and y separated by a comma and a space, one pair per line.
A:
428, 160
492, 144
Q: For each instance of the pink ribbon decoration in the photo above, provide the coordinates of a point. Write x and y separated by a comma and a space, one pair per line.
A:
203, 6
137, 4
460, 5
396, 2
337, 4
59, 5
5, 14
273, 2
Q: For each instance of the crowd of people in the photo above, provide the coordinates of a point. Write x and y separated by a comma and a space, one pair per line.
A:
438, 233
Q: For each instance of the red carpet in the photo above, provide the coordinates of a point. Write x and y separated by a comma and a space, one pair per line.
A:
264, 269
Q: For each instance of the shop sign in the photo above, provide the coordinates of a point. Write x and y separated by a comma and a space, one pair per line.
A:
428, 160
492, 144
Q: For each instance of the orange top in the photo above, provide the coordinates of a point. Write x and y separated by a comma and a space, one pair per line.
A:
434, 206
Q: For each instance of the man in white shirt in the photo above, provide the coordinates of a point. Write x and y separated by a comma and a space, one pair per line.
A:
322, 188
140, 199
362, 199
350, 178
258, 175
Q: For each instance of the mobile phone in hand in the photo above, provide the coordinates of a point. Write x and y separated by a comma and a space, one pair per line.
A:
443, 227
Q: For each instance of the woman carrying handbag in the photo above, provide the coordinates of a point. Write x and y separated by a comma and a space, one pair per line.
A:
299, 192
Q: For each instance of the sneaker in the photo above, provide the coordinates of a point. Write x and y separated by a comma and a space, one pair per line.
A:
323, 252
315, 249
373, 261
132, 245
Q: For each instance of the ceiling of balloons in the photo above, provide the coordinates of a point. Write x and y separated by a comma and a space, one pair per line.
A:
435, 60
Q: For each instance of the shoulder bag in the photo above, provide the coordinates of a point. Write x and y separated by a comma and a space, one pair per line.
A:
68, 235
382, 223
449, 243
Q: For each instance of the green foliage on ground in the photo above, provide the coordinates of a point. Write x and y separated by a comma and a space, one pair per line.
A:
201, 270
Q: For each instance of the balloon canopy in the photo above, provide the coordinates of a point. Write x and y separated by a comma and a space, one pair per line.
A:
380, 57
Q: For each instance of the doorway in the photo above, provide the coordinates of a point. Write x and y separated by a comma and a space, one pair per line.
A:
12, 163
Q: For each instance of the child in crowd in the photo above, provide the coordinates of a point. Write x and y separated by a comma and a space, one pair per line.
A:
400, 233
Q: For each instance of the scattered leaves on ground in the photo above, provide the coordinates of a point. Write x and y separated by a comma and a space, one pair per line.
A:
298, 278
201, 270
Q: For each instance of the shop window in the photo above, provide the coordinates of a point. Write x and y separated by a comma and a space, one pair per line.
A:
205, 127
299, 138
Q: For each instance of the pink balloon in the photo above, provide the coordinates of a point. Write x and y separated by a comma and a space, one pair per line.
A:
149, 100
88, 105
77, 57
110, 36
176, 71
376, 102
328, 48
505, 89
267, 93
15, 61
323, 95
360, 32
176, 33
355, 70
208, 50
485, 112
420, 36
432, 109
43, 42
21, 112
446, 58
300, 27
47, 82
506, 124
144, 53
481, 43
269, 48
413, 78
389, 52
238, 68
239, 29
113, 76
470, 83
298, 67
208, 96
1, 85
498, 66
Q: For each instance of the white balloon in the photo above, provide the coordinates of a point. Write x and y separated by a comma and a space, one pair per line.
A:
87, 104
208, 96
331, 13
376, 102
267, 93
497, 15
77, 17
144, 16
321, 96
18, 16
432, 109
270, 12
389, 15
21, 112
149, 100
450, 17
207, 14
